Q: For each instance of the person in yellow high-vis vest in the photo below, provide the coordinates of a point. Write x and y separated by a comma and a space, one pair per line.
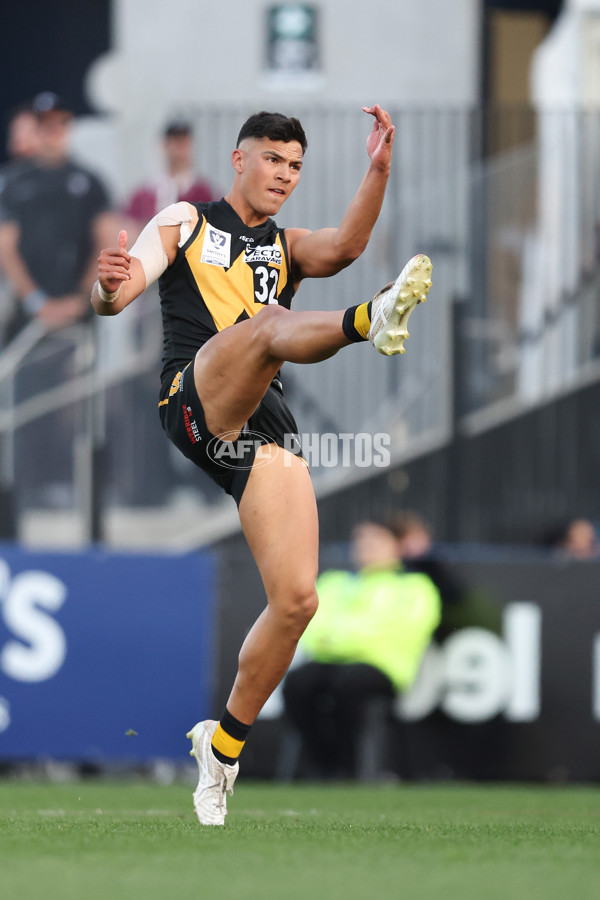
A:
366, 641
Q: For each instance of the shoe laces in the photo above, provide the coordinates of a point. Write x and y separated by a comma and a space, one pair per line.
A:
377, 310
216, 792
383, 290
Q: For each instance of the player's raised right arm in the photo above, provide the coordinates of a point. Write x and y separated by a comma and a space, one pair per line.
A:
121, 279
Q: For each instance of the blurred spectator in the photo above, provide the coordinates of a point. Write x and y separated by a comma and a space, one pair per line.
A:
177, 182
53, 222
462, 606
365, 642
415, 547
577, 540
22, 141
21, 146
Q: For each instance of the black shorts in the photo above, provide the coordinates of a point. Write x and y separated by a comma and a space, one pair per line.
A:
227, 462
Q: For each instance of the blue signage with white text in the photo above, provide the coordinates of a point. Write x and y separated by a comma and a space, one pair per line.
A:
104, 656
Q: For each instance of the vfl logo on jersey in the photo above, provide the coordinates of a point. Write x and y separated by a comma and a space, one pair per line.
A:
216, 247
270, 255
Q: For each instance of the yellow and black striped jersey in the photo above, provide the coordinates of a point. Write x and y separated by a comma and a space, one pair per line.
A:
224, 273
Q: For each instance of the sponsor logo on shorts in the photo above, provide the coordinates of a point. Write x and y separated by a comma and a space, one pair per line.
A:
176, 384
191, 425
270, 254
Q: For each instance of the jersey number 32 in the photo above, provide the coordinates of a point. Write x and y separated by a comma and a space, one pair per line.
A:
265, 284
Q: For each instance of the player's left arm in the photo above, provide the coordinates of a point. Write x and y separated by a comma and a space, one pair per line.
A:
317, 254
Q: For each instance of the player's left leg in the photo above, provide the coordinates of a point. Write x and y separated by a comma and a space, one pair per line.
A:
278, 513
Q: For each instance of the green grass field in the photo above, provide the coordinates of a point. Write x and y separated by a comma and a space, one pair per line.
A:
98, 840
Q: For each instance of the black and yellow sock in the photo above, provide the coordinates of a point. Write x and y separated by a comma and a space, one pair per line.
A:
357, 321
229, 738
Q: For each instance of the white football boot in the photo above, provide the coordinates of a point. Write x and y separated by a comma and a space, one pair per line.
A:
393, 304
215, 778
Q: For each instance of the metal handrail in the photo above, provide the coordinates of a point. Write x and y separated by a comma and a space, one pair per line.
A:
24, 342
76, 389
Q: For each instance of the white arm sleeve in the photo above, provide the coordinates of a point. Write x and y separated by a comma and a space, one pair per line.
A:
149, 248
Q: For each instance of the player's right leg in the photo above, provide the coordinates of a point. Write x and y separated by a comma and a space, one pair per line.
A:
394, 303
233, 370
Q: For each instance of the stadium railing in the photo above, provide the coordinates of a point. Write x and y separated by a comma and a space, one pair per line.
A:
514, 244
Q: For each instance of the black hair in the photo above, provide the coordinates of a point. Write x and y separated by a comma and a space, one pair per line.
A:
274, 126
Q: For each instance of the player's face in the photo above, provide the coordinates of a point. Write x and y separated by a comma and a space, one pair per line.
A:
269, 172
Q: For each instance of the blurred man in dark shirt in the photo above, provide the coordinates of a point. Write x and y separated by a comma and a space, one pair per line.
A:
53, 215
